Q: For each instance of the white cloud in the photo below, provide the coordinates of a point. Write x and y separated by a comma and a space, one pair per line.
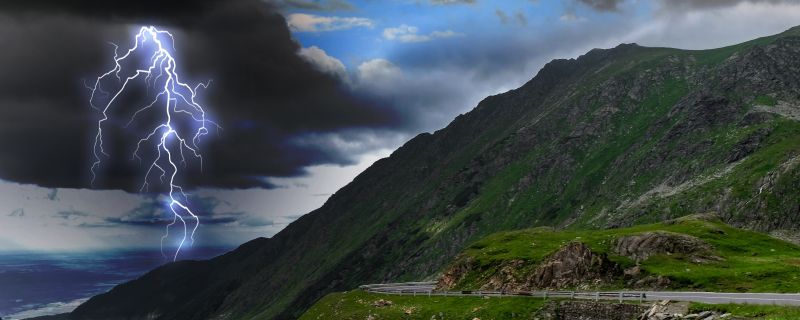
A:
312, 23
406, 33
715, 26
378, 73
427, 97
323, 62
353, 142
570, 16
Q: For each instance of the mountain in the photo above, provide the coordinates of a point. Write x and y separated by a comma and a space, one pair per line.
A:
613, 138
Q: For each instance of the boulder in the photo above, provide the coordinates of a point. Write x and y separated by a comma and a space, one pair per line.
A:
382, 303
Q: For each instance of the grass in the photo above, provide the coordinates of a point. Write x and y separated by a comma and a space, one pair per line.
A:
765, 100
766, 312
753, 262
360, 305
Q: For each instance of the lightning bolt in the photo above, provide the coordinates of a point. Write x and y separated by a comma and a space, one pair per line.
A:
165, 138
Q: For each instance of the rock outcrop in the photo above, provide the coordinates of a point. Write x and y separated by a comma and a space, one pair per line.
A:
642, 246
453, 275
573, 265
510, 277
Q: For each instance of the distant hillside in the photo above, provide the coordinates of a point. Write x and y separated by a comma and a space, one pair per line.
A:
614, 138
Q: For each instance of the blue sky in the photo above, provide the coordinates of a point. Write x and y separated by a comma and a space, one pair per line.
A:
473, 21
476, 22
424, 60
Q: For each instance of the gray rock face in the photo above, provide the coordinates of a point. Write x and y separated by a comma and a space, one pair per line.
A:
573, 265
642, 246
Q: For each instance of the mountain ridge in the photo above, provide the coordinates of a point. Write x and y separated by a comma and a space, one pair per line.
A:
565, 149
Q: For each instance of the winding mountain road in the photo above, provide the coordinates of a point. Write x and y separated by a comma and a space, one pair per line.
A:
427, 288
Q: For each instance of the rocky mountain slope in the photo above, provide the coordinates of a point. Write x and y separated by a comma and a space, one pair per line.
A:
616, 137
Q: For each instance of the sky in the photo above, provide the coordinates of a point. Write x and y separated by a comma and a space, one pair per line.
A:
308, 93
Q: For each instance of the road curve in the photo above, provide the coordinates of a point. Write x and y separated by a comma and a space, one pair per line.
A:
428, 288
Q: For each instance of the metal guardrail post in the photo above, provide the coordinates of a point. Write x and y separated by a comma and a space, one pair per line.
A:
620, 297
545, 294
572, 295
596, 296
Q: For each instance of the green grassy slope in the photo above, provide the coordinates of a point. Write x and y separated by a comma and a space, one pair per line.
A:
359, 305
753, 262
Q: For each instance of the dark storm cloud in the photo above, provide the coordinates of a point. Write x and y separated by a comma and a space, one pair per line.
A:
263, 94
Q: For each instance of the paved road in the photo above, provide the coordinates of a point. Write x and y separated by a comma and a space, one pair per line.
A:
427, 288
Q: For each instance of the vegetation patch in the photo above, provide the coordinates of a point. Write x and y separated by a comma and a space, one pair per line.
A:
765, 100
